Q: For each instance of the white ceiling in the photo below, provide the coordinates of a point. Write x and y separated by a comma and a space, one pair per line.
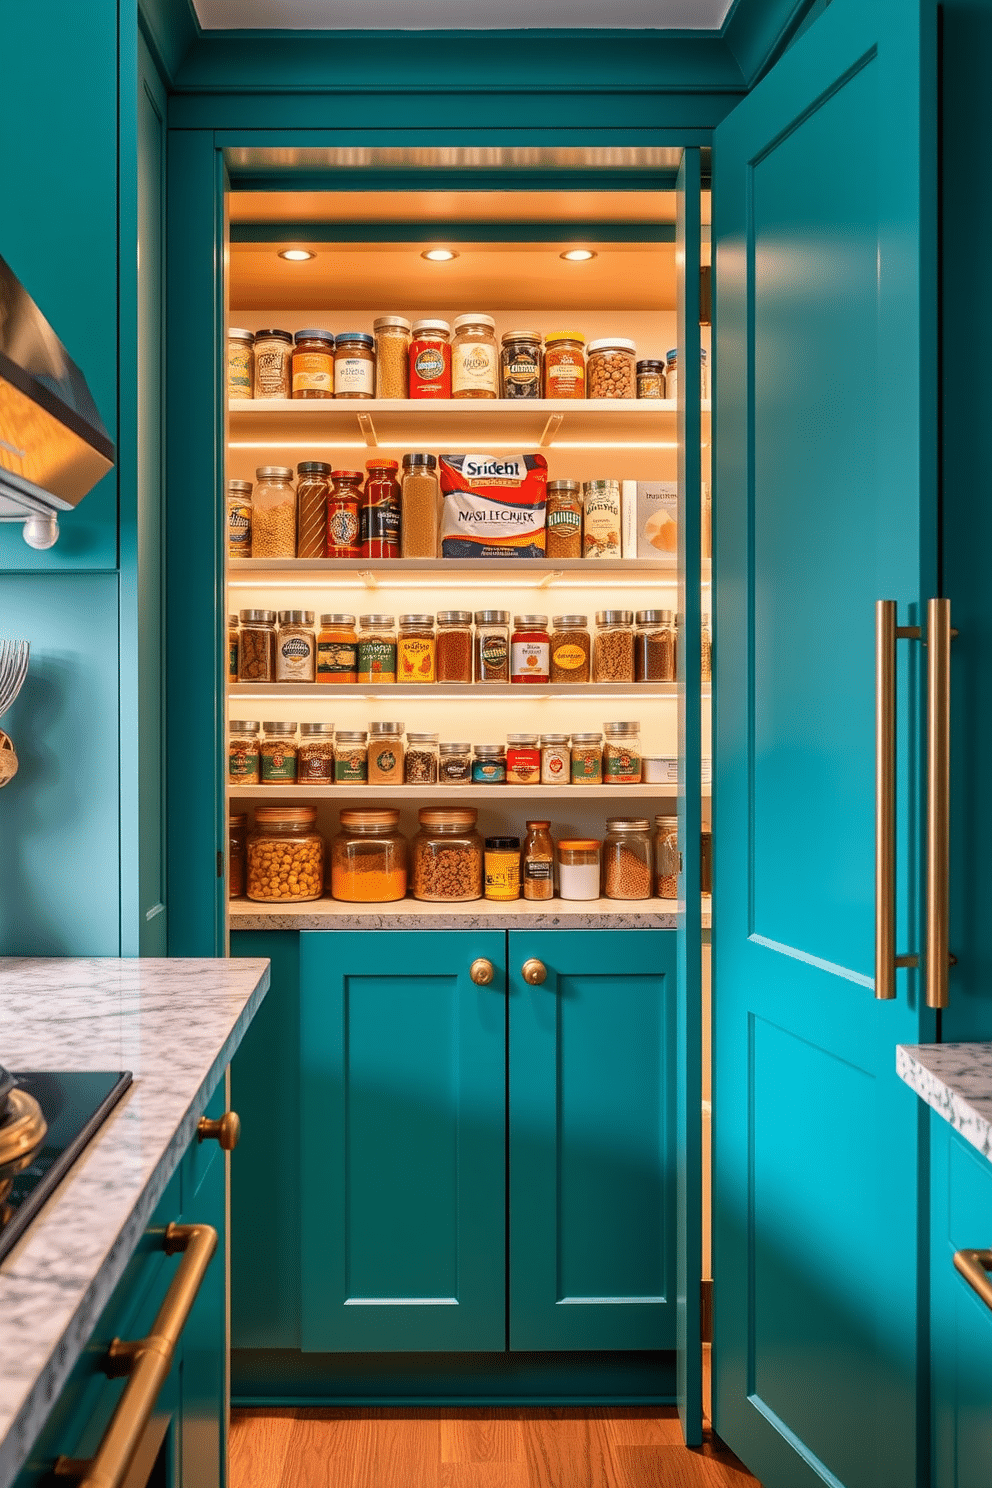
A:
445, 15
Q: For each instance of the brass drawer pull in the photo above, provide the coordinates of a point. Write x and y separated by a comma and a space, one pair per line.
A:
974, 1266
534, 972
482, 971
226, 1130
146, 1362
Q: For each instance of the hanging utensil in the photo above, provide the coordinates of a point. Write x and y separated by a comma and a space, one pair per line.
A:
13, 670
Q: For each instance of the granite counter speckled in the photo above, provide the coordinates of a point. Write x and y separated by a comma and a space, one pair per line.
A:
956, 1080
176, 1025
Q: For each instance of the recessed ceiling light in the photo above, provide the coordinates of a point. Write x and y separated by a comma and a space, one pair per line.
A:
296, 255
439, 255
578, 255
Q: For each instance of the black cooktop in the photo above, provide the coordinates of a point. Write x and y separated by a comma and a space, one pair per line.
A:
74, 1103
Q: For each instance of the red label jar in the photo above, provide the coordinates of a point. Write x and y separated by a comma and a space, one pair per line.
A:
530, 649
430, 359
380, 535
523, 760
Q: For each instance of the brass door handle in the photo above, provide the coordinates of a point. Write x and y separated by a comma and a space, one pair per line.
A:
146, 1361
974, 1266
226, 1130
938, 957
886, 960
482, 972
535, 972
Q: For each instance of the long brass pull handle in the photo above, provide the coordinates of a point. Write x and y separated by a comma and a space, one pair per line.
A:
974, 1266
147, 1361
886, 960
938, 799
226, 1130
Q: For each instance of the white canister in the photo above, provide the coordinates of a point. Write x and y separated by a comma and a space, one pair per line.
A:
659, 769
579, 868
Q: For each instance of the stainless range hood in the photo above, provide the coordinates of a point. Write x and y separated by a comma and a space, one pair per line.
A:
53, 446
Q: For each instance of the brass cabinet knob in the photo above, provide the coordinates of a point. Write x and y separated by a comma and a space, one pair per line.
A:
226, 1130
482, 971
535, 972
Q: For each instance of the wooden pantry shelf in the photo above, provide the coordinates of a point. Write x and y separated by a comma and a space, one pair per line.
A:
538, 570
521, 692
470, 793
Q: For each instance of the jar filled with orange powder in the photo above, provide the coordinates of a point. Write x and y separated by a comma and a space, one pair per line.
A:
368, 858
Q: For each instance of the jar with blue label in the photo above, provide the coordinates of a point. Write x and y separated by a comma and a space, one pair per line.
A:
239, 519
296, 647
489, 764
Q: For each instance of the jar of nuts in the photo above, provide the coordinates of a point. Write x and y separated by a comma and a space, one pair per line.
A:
612, 368
446, 855
273, 513
285, 854
628, 858
666, 857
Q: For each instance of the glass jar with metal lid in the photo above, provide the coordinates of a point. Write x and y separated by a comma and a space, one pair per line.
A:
385, 753
446, 856
650, 379
344, 514
430, 359
315, 756
240, 363
272, 376
628, 859
257, 646
368, 858
337, 650
530, 649
474, 357
570, 648
239, 519
454, 765
612, 371
381, 510
313, 364
237, 854
523, 759
421, 505
520, 364
351, 764
492, 646
296, 647
354, 365
285, 854
313, 486
622, 754
587, 759
392, 356
233, 644
667, 860
564, 365
377, 649
243, 752
421, 763
279, 753
555, 759
453, 646
654, 646
415, 648
273, 513
563, 518
613, 648
489, 764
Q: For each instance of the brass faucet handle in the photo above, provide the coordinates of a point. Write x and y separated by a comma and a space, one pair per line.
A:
534, 972
482, 971
226, 1130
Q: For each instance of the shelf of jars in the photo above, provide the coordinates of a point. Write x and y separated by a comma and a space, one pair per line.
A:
493, 795
330, 914
539, 572
470, 691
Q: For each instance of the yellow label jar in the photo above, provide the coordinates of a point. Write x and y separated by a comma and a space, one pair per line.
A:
415, 649
502, 867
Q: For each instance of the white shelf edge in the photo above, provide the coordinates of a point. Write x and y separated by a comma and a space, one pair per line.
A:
475, 793
451, 691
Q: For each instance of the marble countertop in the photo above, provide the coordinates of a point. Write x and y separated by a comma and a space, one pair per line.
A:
176, 1025
956, 1080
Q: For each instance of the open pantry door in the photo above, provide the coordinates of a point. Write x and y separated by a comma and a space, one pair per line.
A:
825, 242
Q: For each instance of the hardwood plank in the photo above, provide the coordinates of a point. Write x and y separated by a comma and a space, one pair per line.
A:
484, 1475
643, 1426
485, 1434
322, 1451
569, 1448
679, 1467
257, 1446
396, 1446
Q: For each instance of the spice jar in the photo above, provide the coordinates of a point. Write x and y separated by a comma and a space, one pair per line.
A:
613, 650
520, 364
232, 648
385, 754
273, 513
474, 357
315, 756
337, 649
430, 359
523, 759
296, 647
654, 646
492, 646
421, 759
351, 766
530, 649
272, 377
628, 858
622, 755
421, 506
313, 486
454, 766
563, 520
237, 855
489, 764
377, 649
666, 857
242, 753
313, 364
587, 759
257, 646
446, 856
570, 648
601, 519
706, 860
706, 652
564, 365
650, 379
538, 862
502, 867
368, 858
415, 649
344, 522
278, 752
392, 356
354, 365
240, 363
672, 374
555, 759
285, 854
612, 371
239, 519
380, 530
579, 868
453, 648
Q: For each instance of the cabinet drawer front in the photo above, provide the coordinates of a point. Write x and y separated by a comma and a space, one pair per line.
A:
200, 1155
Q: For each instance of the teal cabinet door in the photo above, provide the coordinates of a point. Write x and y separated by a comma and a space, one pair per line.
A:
402, 1141
592, 1140
203, 1366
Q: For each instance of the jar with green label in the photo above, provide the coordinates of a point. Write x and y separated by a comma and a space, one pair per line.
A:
587, 759
622, 755
377, 649
385, 754
351, 765
278, 753
239, 519
242, 753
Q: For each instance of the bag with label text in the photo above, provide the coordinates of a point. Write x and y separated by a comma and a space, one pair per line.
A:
494, 506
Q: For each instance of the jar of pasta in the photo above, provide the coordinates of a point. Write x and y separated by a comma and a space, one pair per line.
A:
285, 854
612, 370
474, 358
257, 646
392, 356
313, 364
368, 858
243, 753
273, 513
628, 860
354, 365
622, 755
337, 649
315, 756
278, 753
415, 649
240, 363
564, 365
385, 754
446, 856
272, 377
377, 649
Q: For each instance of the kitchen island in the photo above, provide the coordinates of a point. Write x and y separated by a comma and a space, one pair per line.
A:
176, 1025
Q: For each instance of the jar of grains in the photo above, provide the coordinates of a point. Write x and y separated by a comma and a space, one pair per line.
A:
453, 650
351, 765
454, 766
385, 754
421, 759
279, 754
523, 759
285, 854
520, 364
430, 359
242, 753
587, 759
421, 507
313, 364
237, 855
232, 648
368, 858
273, 513
492, 646
538, 861
563, 520
474, 357
622, 754
257, 646
337, 649
601, 519
489, 764
381, 503
570, 648
296, 647
613, 650
612, 370
502, 867
446, 855
530, 649
240, 363
654, 646
344, 519
564, 365
555, 759
650, 379
377, 649
392, 356
666, 857
579, 868
354, 365
313, 486
273, 377
415, 649
628, 868
239, 519
315, 756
